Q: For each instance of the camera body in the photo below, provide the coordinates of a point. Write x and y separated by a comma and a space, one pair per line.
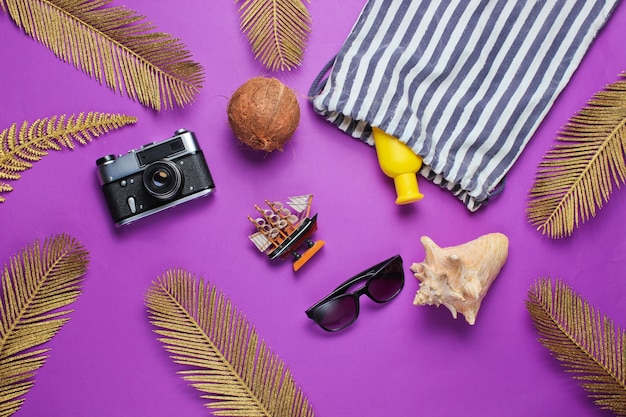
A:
155, 177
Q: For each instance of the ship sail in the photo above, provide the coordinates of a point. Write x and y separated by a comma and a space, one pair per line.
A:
260, 241
301, 204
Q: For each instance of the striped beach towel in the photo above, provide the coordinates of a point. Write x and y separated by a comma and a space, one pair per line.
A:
464, 83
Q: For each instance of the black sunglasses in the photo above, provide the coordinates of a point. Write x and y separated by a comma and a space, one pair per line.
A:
339, 310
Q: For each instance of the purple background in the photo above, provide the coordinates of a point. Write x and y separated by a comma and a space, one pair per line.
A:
397, 359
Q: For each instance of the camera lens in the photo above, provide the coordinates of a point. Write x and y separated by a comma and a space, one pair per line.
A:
162, 179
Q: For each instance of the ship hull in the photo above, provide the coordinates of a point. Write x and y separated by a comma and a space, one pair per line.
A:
295, 239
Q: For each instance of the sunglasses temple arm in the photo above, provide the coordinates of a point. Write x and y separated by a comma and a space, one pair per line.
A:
360, 277
350, 282
338, 291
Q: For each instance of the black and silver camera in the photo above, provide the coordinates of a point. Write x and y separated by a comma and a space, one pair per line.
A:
158, 176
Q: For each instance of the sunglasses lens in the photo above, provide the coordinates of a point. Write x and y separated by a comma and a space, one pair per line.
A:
387, 284
337, 313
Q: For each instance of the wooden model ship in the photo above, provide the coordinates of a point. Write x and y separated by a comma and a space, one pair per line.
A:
280, 232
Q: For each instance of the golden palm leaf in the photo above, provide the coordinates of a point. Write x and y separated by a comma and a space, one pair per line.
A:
220, 350
588, 344
36, 286
113, 44
277, 30
576, 177
20, 148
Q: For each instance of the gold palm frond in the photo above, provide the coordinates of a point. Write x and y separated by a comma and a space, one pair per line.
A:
20, 148
277, 31
36, 286
220, 350
576, 177
113, 44
588, 344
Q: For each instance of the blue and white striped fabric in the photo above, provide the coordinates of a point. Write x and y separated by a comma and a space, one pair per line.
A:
465, 83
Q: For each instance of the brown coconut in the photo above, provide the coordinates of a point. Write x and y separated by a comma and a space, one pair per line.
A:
264, 113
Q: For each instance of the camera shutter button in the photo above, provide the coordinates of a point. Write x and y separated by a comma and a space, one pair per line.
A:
131, 204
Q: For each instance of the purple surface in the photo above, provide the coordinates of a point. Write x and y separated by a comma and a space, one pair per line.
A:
397, 359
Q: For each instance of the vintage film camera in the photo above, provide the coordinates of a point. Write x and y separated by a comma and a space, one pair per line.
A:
157, 176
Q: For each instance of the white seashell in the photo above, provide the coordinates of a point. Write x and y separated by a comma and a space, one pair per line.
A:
459, 276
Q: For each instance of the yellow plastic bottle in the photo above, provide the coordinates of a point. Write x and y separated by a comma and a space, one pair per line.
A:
399, 162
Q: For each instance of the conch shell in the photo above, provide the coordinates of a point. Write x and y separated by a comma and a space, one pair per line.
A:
459, 276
